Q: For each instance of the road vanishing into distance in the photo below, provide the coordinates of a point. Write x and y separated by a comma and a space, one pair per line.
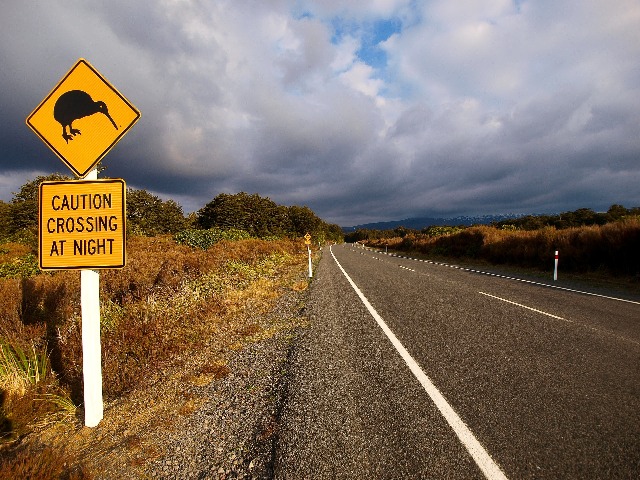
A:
417, 370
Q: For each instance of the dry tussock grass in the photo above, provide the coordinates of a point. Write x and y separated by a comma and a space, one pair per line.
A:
611, 248
158, 314
42, 462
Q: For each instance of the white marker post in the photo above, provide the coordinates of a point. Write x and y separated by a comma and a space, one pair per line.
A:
307, 242
555, 268
91, 349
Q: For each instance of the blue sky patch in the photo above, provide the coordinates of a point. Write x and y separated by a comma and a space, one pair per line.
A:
370, 51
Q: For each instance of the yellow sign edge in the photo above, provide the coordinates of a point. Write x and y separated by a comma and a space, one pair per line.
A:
124, 224
117, 139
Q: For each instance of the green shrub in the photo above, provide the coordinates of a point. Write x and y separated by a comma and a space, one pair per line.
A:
441, 230
206, 238
20, 267
25, 236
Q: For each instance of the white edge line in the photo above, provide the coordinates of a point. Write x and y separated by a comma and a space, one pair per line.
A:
524, 306
484, 461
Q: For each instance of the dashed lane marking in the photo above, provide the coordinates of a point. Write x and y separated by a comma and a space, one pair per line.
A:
406, 268
524, 306
588, 327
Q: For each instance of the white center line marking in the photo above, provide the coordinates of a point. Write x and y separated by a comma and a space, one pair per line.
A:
484, 461
524, 306
589, 327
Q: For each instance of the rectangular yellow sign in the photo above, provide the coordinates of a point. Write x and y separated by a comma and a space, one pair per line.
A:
82, 224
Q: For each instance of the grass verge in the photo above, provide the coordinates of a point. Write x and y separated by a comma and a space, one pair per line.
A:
169, 317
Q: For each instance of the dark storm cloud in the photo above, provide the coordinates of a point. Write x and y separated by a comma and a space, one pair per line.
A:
489, 106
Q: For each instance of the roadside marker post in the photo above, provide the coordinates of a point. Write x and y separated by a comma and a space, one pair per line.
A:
555, 268
307, 241
82, 222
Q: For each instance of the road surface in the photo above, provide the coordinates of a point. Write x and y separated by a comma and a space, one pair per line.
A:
416, 370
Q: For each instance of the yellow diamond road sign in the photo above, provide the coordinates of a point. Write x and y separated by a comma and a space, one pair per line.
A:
82, 224
83, 118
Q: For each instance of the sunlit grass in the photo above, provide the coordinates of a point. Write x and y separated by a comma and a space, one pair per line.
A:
20, 368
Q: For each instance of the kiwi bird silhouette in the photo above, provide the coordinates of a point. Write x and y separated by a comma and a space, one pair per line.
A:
73, 105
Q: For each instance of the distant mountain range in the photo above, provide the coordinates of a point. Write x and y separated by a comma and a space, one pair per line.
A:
424, 222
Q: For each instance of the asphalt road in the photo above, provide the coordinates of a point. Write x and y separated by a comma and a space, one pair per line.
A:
510, 379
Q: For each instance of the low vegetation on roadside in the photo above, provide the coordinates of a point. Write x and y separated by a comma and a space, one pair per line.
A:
187, 287
167, 303
608, 244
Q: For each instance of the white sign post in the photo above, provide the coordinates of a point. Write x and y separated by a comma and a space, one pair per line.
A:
91, 348
555, 268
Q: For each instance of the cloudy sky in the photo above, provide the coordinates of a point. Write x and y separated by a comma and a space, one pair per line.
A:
363, 110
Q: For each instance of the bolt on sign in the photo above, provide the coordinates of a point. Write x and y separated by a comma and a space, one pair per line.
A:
82, 118
82, 224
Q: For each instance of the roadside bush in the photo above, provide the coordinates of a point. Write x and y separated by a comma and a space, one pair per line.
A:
18, 259
27, 237
20, 267
441, 230
467, 243
613, 248
206, 238
42, 463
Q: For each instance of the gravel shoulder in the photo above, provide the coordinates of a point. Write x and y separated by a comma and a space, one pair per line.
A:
233, 433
